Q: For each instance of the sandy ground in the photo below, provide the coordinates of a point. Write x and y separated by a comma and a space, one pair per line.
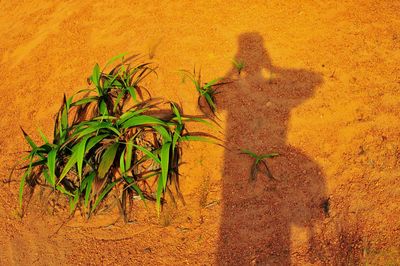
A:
321, 86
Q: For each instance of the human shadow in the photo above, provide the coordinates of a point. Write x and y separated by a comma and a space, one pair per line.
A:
258, 216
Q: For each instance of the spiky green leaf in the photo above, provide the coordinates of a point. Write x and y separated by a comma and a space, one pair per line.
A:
148, 153
142, 120
103, 193
85, 100
122, 162
166, 135
107, 159
80, 154
270, 155
64, 191
128, 155
197, 138
115, 58
250, 153
95, 78
43, 136
88, 189
28, 139
93, 141
165, 154
51, 165
129, 115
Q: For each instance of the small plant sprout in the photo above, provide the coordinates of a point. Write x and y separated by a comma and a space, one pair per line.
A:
259, 159
238, 64
207, 91
112, 139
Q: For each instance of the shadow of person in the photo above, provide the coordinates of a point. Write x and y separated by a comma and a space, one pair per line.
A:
258, 217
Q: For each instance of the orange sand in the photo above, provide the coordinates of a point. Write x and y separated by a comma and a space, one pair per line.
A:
321, 87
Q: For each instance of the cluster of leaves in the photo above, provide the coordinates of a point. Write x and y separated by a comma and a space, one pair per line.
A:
259, 159
238, 64
206, 91
112, 139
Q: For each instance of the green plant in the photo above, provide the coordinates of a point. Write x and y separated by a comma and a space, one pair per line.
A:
238, 64
111, 138
206, 91
256, 164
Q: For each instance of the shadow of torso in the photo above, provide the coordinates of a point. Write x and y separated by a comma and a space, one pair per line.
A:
258, 216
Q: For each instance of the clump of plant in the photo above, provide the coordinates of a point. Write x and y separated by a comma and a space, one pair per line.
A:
258, 161
109, 137
206, 91
238, 64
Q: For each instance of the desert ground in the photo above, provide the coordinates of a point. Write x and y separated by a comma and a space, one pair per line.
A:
320, 86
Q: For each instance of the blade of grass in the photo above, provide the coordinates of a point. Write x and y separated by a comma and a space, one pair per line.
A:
80, 154
73, 201
177, 136
107, 159
211, 83
128, 155
122, 162
138, 191
103, 193
132, 92
165, 149
70, 163
94, 128
164, 133
51, 164
95, 78
176, 112
93, 141
147, 152
85, 100
28, 139
115, 58
64, 191
252, 154
197, 138
270, 155
130, 114
210, 102
159, 194
142, 120
47, 177
88, 189
43, 136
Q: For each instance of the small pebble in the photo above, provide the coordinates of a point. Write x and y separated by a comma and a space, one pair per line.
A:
147, 250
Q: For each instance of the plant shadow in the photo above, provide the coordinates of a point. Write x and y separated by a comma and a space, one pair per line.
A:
258, 216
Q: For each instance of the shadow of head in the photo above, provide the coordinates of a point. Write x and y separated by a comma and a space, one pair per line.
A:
260, 78
251, 50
